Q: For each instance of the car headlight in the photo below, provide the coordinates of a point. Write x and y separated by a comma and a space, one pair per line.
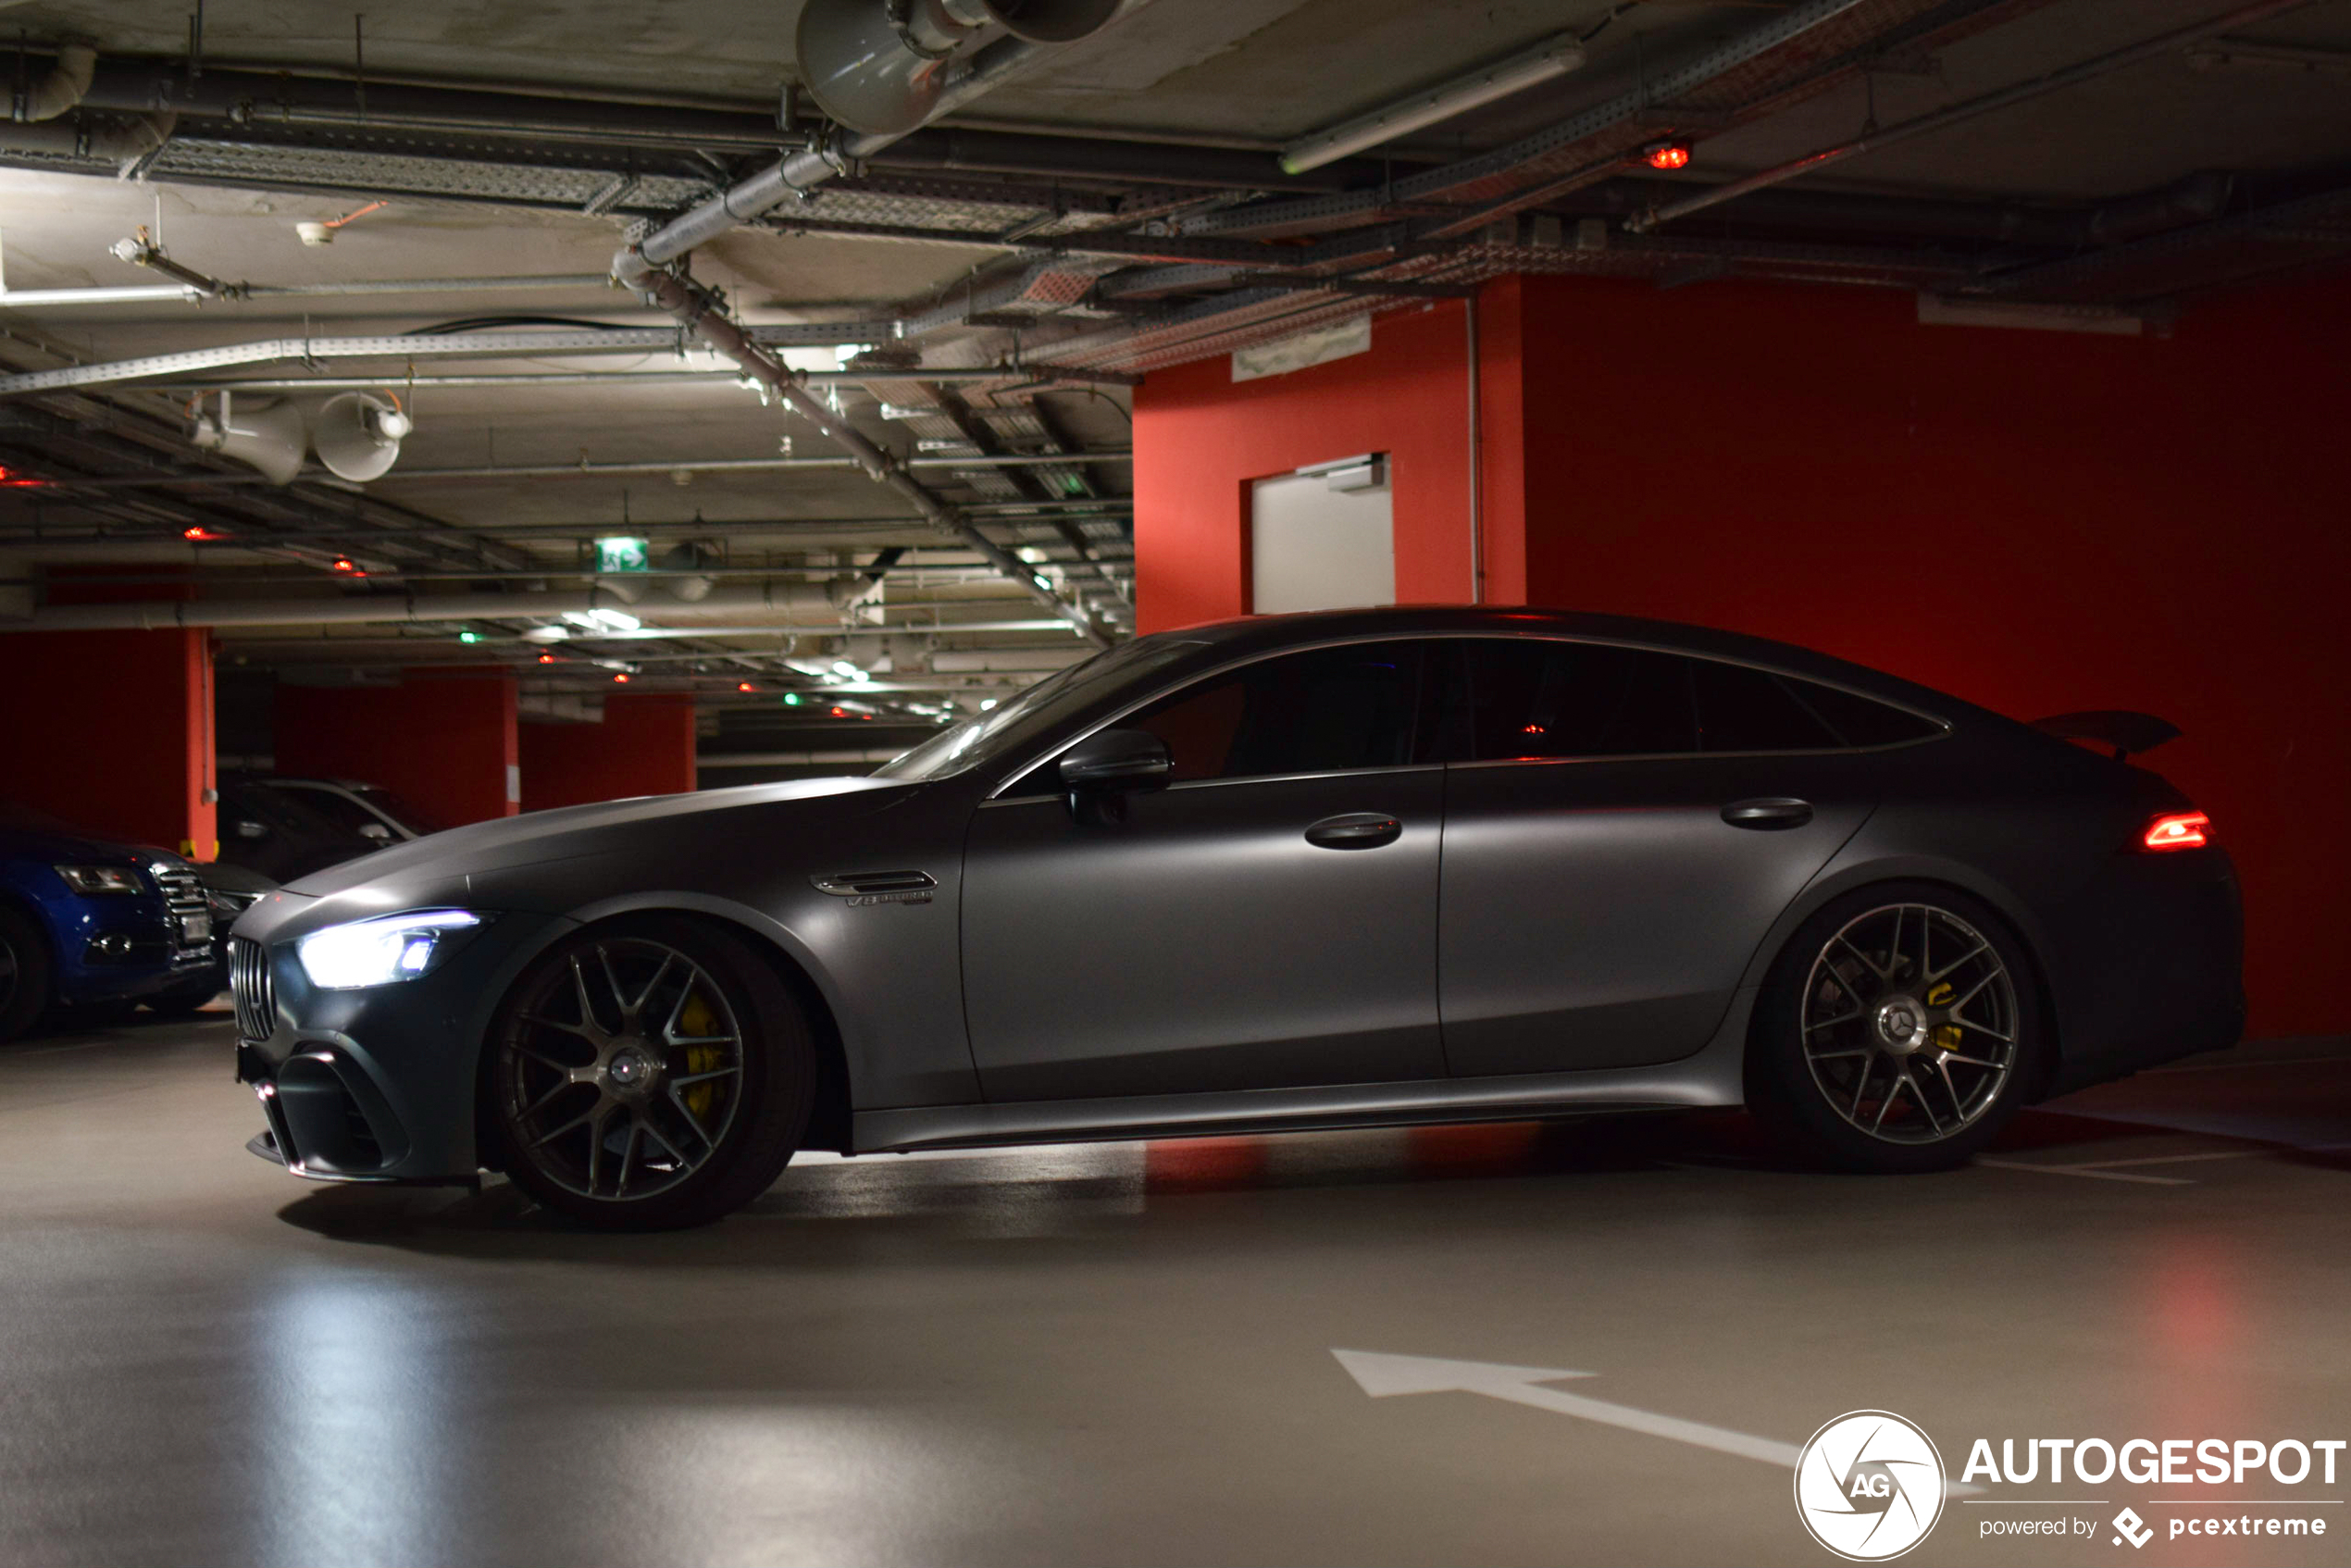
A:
379, 951
102, 879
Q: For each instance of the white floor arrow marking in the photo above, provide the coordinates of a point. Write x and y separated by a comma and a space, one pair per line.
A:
1382, 1376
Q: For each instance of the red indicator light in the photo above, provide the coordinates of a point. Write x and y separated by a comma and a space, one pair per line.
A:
200, 534
840, 712
345, 566
2179, 830
745, 685
1533, 730
546, 658
1667, 154
621, 679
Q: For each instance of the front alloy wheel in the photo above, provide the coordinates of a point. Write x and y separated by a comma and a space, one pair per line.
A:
1897, 1031
649, 1075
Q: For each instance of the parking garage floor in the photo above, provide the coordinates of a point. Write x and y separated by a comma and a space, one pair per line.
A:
1123, 1353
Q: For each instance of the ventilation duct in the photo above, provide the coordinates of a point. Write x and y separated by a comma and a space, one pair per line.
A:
881, 68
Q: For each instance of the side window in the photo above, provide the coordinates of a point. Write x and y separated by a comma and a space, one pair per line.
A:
1858, 721
1536, 699
1323, 711
1748, 710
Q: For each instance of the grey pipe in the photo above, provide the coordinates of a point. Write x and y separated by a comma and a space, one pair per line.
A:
640, 266
2050, 81
832, 425
65, 85
391, 609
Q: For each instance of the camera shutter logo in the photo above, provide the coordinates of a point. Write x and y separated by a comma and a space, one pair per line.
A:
1869, 1486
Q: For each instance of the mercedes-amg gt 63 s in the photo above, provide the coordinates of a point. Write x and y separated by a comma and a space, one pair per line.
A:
1340, 870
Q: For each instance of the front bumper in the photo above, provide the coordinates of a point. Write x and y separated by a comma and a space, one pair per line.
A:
377, 1085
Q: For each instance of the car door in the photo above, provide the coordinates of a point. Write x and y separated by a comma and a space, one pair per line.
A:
1268, 919
1629, 824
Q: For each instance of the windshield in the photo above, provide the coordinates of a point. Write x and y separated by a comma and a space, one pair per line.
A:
397, 807
1011, 726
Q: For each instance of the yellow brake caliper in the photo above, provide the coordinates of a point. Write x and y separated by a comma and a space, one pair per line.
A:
696, 1020
1947, 1035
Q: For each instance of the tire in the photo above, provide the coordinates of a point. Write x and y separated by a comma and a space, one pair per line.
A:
648, 1074
1898, 1031
24, 974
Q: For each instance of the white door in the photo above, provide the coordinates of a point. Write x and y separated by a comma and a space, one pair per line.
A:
1323, 538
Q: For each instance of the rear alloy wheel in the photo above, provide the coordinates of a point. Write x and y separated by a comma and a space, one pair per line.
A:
649, 1075
1898, 1031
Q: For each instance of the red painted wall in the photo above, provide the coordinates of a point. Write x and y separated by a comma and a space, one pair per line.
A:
446, 740
645, 746
2036, 521
112, 731
1201, 438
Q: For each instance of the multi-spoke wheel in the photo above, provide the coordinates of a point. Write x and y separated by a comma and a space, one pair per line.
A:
1896, 1031
648, 1074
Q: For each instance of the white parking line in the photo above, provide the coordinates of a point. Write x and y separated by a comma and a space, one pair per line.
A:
2087, 1172
2170, 1159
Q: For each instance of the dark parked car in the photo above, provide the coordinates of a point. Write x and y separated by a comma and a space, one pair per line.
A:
1348, 869
287, 828
91, 924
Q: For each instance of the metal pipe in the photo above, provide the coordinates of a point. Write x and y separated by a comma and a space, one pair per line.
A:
1553, 56
839, 431
2050, 82
25, 299
701, 311
557, 342
390, 609
1023, 376
62, 88
642, 267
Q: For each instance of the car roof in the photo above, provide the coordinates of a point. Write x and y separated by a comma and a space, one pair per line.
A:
1250, 634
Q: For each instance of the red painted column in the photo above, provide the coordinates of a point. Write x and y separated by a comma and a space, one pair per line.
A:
645, 746
112, 732
445, 739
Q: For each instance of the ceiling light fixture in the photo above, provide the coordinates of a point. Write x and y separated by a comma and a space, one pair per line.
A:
1555, 55
1667, 154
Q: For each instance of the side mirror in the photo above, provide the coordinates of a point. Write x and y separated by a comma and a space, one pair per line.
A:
376, 833
248, 829
1115, 762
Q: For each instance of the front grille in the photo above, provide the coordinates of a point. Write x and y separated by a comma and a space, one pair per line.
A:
254, 993
185, 898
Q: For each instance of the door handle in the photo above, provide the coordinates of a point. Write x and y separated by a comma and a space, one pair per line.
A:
1769, 814
1355, 831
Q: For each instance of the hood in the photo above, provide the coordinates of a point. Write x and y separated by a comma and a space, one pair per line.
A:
536, 837
64, 848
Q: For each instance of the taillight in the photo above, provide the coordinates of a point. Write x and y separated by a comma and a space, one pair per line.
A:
2179, 830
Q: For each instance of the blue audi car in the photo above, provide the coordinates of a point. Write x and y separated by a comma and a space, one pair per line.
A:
85, 923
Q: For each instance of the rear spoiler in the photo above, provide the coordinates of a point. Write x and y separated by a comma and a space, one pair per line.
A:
2125, 731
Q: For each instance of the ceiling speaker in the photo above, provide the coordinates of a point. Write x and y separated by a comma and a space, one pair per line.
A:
878, 65
267, 435
357, 435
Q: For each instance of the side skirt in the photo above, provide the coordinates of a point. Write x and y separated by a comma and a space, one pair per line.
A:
1709, 1079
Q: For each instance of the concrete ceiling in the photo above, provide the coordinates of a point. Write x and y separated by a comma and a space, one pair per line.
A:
1170, 79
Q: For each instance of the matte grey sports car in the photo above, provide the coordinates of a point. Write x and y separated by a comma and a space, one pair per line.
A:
1350, 869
